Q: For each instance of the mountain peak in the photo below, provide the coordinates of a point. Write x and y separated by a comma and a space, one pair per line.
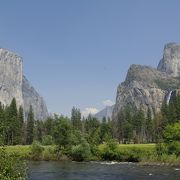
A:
170, 63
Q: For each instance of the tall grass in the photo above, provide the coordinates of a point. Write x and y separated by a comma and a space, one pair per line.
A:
145, 153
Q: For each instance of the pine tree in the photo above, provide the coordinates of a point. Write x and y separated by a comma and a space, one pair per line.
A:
149, 126
140, 125
20, 125
177, 106
30, 127
38, 130
12, 125
76, 119
2, 124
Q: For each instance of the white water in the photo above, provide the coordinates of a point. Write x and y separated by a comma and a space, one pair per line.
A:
169, 97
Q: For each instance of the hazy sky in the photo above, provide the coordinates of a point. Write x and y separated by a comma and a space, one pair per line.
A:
76, 52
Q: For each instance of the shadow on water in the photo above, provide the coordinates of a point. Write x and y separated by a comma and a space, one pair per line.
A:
42, 170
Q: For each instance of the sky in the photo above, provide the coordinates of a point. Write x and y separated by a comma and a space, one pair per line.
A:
76, 52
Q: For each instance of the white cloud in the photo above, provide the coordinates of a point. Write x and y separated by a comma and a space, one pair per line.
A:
108, 102
89, 110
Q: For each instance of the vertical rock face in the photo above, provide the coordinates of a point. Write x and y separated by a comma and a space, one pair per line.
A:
146, 87
170, 62
14, 85
31, 97
10, 77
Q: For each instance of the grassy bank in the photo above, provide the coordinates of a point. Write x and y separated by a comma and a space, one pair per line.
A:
143, 153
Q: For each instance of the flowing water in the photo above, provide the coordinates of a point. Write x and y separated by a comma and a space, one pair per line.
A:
42, 170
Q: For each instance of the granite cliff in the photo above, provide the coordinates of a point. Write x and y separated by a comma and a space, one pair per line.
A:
14, 84
146, 87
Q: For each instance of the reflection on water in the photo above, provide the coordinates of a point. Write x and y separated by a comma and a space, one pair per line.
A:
99, 170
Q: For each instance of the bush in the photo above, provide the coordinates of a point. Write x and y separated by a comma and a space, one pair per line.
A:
110, 151
49, 153
172, 138
161, 149
11, 166
36, 150
81, 152
47, 140
174, 148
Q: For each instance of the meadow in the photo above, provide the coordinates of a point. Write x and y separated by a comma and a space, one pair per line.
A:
141, 153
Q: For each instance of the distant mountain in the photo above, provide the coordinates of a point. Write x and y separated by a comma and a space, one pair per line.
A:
146, 87
106, 112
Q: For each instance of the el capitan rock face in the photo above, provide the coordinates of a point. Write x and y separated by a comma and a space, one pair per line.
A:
14, 84
146, 87
10, 77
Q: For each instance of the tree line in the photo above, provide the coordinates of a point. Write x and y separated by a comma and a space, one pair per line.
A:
137, 127
13, 129
131, 126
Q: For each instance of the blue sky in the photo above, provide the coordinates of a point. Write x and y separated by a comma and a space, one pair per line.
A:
76, 52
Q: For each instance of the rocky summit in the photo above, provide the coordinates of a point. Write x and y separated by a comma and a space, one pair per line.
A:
146, 87
13, 84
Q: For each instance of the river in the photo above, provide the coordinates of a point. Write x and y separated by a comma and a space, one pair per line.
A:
50, 170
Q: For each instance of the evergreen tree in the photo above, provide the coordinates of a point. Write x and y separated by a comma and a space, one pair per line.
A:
149, 126
30, 127
76, 118
177, 106
11, 123
48, 126
38, 130
20, 134
2, 124
62, 133
139, 123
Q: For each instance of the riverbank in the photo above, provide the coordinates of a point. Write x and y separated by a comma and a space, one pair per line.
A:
141, 153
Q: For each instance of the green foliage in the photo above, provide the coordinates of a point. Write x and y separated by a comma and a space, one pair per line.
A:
149, 126
49, 124
47, 140
11, 124
174, 147
11, 166
172, 132
30, 127
36, 150
21, 125
105, 131
62, 133
76, 118
81, 151
161, 149
38, 130
109, 152
172, 138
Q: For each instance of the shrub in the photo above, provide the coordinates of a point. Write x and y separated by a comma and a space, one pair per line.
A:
174, 148
81, 152
172, 138
110, 151
161, 149
11, 166
49, 153
36, 150
47, 140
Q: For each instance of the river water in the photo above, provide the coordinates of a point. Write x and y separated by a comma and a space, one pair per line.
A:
50, 170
